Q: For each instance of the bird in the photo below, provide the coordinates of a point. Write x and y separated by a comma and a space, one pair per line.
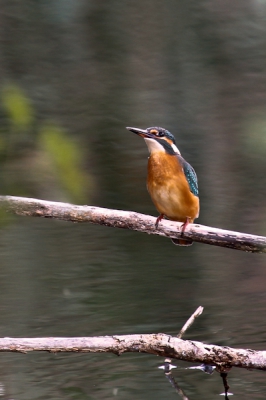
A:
171, 181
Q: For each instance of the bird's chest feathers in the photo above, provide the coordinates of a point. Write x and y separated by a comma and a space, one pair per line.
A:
164, 176
169, 188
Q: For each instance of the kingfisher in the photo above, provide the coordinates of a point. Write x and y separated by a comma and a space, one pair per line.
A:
171, 181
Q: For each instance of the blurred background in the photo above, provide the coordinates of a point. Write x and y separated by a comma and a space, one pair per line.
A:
73, 74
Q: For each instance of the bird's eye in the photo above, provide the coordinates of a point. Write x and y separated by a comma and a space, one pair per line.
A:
157, 132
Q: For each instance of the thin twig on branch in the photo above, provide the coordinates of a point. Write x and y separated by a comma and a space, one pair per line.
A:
134, 221
159, 344
190, 321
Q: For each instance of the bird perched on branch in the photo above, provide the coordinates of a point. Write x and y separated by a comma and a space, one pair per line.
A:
172, 182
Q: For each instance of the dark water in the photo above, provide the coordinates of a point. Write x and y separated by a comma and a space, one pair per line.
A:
73, 75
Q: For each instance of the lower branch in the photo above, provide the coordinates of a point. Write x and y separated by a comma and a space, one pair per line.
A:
159, 344
132, 220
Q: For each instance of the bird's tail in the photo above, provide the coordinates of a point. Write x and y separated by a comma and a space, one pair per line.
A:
182, 242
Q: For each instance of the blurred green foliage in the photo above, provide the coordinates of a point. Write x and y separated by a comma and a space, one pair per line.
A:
40, 159
66, 157
17, 106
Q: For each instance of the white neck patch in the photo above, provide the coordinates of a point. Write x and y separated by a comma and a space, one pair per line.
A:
175, 149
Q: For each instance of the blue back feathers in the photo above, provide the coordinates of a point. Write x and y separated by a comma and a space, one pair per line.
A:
190, 175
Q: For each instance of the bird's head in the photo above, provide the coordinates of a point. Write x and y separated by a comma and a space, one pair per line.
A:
157, 139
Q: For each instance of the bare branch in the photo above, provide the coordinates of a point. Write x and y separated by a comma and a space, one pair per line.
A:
134, 221
190, 321
159, 344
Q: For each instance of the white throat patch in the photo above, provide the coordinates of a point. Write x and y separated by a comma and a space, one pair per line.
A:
155, 146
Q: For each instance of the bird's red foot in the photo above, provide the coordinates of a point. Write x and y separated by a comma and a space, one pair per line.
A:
158, 220
184, 225
183, 242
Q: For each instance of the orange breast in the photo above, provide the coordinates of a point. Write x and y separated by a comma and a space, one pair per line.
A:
169, 189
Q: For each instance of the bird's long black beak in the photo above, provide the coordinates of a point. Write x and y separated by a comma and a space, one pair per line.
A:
140, 132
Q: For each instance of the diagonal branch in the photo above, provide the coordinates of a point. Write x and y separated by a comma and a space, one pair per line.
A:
134, 221
159, 344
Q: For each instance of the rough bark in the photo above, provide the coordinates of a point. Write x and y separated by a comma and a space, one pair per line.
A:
159, 344
134, 221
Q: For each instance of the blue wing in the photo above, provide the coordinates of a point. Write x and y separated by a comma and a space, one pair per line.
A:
190, 175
